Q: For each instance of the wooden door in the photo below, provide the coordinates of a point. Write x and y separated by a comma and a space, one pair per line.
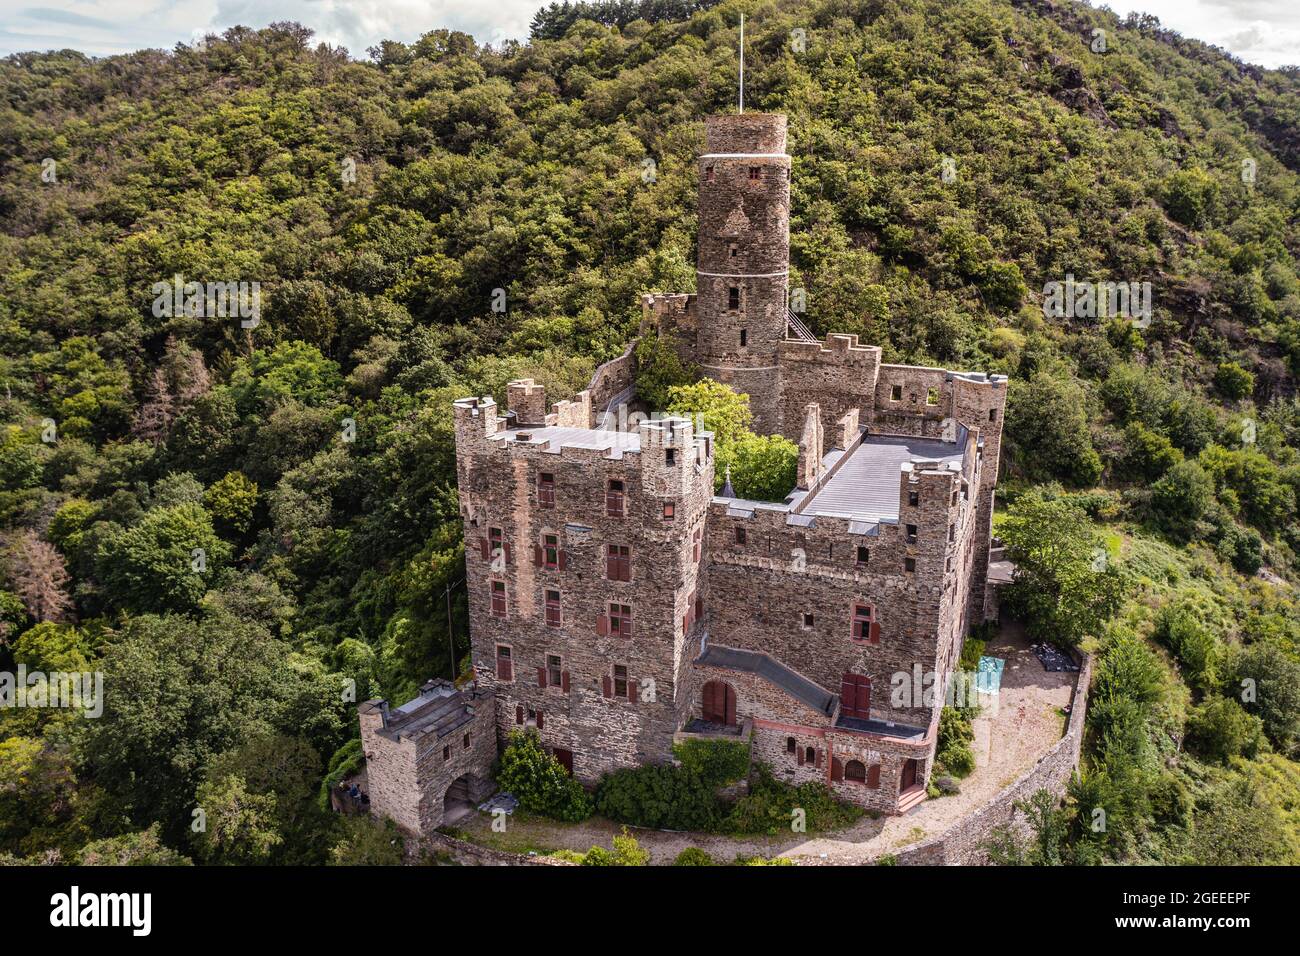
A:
908, 780
719, 704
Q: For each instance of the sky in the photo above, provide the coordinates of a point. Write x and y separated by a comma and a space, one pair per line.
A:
1266, 32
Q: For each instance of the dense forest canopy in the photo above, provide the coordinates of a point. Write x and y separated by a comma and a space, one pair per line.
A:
186, 496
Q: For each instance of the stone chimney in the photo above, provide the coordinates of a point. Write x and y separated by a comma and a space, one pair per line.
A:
848, 429
810, 447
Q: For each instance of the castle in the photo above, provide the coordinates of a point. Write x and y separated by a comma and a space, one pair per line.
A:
618, 604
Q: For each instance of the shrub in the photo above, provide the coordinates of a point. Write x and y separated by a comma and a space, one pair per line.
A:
1233, 381
693, 856
1220, 729
539, 783
627, 852
717, 762
955, 736
346, 761
769, 807
660, 797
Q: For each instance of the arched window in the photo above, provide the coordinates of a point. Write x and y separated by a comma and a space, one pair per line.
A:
855, 771
790, 745
810, 755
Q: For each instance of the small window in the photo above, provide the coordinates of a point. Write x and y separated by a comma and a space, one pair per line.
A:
896, 393
465, 741
810, 755
614, 499
669, 509
618, 562
913, 498
753, 173
733, 298
446, 752
554, 671
952, 532
993, 414
733, 250
505, 666
696, 543
546, 490
911, 534
862, 622
855, 772
807, 621
864, 555
620, 620
670, 456
553, 608
498, 599
620, 680
909, 565
708, 174
790, 745
496, 542
740, 536
932, 396
551, 551
744, 337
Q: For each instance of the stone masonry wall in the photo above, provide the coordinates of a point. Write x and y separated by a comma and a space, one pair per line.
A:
499, 490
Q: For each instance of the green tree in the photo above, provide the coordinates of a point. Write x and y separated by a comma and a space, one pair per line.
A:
165, 562
1066, 586
230, 501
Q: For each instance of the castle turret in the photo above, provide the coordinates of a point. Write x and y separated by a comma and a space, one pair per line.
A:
744, 256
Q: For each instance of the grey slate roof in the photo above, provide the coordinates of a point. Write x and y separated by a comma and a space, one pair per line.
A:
881, 728
440, 709
796, 685
866, 485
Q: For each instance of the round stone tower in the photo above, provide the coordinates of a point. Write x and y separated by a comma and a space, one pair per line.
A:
744, 259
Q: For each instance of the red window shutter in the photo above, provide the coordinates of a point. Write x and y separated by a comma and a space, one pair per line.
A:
800, 750
564, 681
875, 632
848, 695
503, 669
564, 559
710, 705
485, 548
864, 698
602, 623
606, 686
519, 715
537, 555
837, 770
873, 776
631, 689
510, 558
541, 677
540, 720
611, 565
818, 762
627, 627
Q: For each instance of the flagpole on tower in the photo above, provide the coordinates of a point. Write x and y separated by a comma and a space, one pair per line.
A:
742, 63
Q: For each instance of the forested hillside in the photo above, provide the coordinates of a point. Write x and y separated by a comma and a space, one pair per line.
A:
233, 521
